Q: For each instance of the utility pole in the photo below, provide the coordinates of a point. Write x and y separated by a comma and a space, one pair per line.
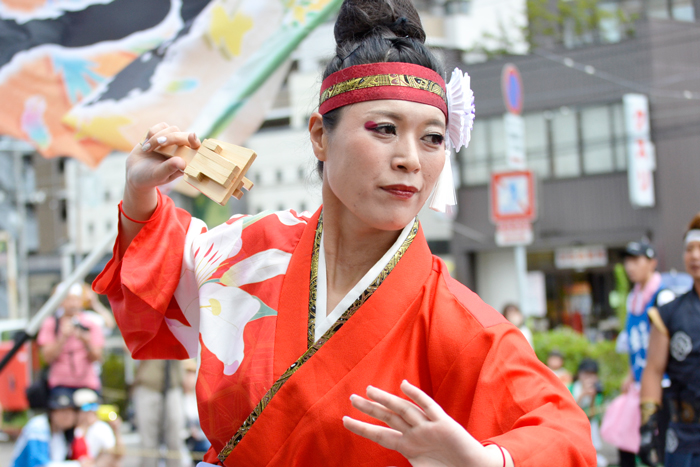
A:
22, 256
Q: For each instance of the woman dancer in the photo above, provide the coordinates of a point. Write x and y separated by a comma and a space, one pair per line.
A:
292, 318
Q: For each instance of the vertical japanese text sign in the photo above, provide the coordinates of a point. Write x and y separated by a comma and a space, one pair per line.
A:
640, 150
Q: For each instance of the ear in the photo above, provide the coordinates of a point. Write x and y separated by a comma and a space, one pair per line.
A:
318, 136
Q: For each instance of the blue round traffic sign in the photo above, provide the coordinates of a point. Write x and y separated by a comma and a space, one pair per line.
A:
512, 87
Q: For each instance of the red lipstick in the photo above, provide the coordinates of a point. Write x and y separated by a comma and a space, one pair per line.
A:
401, 191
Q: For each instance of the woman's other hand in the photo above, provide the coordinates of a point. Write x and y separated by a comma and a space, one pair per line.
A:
420, 430
146, 169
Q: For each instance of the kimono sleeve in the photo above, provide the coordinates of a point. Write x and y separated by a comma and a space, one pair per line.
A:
519, 404
143, 284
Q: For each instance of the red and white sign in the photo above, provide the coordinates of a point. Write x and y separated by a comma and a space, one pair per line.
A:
514, 233
581, 257
513, 207
642, 157
512, 88
513, 196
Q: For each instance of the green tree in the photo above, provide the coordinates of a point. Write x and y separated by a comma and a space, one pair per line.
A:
551, 18
575, 347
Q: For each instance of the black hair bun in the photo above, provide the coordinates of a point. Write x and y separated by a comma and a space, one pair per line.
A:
387, 18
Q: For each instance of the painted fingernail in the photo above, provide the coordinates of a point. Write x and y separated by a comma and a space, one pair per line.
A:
162, 140
146, 147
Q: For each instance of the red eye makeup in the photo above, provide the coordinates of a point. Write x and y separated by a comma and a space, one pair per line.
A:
371, 126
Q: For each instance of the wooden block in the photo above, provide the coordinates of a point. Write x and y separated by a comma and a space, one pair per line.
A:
193, 171
199, 165
216, 158
212, 145
210, 188
173, 150
242, 159
206, 166
217, 169
167, 150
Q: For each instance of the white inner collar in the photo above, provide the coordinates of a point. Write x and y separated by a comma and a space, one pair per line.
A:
324, 320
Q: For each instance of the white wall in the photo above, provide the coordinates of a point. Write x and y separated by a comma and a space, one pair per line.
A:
496, 279
92, 199
283, 172
486, 18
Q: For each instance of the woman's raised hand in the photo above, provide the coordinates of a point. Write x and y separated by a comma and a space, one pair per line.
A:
420, 430
145, 169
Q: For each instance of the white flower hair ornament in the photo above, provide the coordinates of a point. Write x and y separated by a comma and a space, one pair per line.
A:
461, 111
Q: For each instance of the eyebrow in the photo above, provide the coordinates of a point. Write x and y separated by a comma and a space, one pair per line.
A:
400, 118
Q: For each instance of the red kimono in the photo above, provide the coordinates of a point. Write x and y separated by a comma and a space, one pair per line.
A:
237, 298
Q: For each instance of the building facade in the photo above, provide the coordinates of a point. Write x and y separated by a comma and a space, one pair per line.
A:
578, 145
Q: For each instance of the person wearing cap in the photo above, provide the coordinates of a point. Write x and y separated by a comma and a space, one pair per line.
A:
103, 439
674, 350
648, 292
47, 439
72, 345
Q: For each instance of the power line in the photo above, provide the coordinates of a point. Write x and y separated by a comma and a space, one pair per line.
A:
625, 83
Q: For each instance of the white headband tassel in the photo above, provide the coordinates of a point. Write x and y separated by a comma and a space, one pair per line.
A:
461, 111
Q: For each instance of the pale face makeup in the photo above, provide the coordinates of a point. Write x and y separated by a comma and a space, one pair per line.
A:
382, 161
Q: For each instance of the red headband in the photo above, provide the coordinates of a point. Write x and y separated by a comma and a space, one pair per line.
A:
388, 80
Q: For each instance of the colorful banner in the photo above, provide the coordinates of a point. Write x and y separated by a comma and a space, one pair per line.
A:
82, 77
219, 79
56, 52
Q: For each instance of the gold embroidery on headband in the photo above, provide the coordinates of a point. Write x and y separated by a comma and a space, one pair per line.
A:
393, 79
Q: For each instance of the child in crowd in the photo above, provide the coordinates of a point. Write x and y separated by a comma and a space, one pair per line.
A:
555, 362
588, 392
103, 439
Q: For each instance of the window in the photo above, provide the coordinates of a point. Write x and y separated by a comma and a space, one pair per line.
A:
597, 141
498, 145
619, 137
537, 152
658, 9
475, 159
565, 144
683, 10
